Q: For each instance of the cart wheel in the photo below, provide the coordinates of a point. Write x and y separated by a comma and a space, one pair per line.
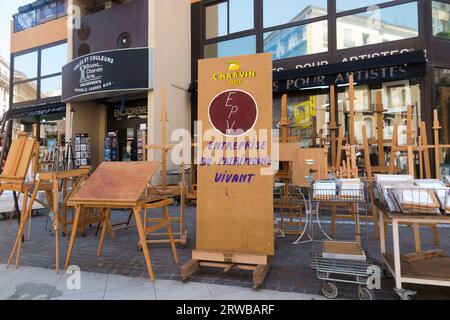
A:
330, 290
365, 293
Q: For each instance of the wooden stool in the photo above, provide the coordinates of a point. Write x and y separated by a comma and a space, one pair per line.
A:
291, 211
162, 222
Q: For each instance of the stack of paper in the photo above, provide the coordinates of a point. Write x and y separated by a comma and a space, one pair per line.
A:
324, 189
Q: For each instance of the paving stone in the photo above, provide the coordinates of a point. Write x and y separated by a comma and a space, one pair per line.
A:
290, 271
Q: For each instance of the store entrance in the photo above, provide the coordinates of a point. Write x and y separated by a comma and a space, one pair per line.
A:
125, 127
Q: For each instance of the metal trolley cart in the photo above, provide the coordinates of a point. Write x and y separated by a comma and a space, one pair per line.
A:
337, 261
415, 207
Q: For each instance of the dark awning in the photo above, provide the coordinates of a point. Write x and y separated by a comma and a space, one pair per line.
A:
35, 111
387, 68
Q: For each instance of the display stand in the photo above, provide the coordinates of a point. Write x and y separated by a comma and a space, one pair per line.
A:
428, 271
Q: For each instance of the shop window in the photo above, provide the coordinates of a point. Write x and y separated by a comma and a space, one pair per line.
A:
26, 66
53, 59
442, 104
384, 25
240, 46
297, 41
278, 12
344, 5
308, 117
228, 17
396, 97
441, 20
51, 87
25, 91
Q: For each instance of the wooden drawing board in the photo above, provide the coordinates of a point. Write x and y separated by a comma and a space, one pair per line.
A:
235, 217
117, 182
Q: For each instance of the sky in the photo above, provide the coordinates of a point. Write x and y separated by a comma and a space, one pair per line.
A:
8, 8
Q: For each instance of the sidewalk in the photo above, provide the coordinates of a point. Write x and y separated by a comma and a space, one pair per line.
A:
27, 283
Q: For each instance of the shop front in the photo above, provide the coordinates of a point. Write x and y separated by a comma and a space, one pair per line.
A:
107, 92
315, 44
126, 125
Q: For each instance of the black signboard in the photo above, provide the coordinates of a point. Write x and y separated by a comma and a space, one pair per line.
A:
383, 69
107, 73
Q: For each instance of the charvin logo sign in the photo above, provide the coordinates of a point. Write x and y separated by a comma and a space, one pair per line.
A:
91, 72
108, 73
234, 75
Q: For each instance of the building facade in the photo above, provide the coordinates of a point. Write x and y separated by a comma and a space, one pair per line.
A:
4, 86
399, 48
396, 48
38, 52
101, 74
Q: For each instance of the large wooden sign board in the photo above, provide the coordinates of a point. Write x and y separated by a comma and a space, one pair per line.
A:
235, 201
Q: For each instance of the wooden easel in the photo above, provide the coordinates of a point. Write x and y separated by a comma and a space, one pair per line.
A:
410, 148
291, 210
51, 183
164, 189
351, 97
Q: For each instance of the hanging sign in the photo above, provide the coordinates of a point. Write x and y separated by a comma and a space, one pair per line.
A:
108, 73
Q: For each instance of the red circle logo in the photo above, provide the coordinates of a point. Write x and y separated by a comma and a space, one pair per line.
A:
233, 113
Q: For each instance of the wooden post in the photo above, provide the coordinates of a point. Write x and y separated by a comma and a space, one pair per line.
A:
333, 126
351, 96
426, 154
411, 162
410, 131
437, 156
144, 143
380, 132
164, 138
284, 119
367, 163
393, 149
339, 147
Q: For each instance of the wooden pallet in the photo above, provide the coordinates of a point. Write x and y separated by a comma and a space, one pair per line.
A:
259, 264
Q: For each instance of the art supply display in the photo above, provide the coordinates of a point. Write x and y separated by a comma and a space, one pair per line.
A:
111, 152
82, 150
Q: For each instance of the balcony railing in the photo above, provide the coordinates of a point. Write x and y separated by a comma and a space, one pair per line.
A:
39, 12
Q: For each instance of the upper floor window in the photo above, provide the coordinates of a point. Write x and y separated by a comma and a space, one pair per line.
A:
441, 20
378, 25
297, 41
26, 66
34, 14
37, 74
235, 47
278, 12
53, 59
228, 17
